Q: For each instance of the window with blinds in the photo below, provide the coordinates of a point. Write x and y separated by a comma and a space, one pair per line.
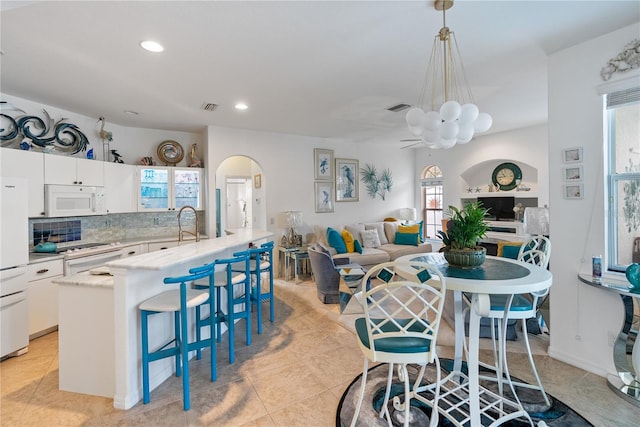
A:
623, 177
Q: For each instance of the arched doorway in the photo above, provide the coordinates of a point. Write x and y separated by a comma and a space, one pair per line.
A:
432, 194
240, 194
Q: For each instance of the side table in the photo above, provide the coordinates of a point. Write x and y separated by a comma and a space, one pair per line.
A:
283, 259
626, 349
299, 255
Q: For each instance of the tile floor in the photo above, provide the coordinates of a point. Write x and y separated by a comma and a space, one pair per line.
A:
291, 375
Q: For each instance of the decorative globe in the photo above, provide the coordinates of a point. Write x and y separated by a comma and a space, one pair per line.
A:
633, 275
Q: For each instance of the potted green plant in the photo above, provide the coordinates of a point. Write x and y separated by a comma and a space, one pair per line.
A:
465, 228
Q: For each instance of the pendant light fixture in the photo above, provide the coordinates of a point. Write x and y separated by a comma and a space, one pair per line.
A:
453, 117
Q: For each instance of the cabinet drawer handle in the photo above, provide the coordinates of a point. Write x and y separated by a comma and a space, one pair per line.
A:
164, 248
44, 270
131, 252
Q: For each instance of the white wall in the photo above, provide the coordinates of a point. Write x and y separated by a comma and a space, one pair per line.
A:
523, 146
288, 179
131, 143
586, 317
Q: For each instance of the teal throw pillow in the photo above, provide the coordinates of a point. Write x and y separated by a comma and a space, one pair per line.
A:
358, 246
510, 251
420, 232
406, 239
336, 241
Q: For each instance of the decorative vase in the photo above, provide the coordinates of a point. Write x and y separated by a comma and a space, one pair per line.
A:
633, 275
465, 258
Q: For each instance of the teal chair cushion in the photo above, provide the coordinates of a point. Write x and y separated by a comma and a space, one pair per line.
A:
394, 345
519, 303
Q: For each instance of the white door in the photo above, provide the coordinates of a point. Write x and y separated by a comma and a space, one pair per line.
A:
238, 202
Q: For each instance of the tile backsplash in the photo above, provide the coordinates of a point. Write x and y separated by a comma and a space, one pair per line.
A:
56, 231
111, 228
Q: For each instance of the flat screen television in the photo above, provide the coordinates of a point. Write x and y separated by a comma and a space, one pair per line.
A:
500, 208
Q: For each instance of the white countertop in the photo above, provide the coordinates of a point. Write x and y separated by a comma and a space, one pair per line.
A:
86, 279
185, 253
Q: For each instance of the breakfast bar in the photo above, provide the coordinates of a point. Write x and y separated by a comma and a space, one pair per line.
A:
107, 361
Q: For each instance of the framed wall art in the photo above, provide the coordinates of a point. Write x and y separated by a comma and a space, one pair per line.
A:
257, 180
324, 196
572, 155
572, 173
323, 164
347, 177
573, 191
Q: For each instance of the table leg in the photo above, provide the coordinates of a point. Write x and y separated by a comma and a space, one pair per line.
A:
287, 273
459, 330
472, 361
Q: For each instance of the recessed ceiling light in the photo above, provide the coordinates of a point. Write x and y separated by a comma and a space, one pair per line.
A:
131, 113
152, 46
241, 106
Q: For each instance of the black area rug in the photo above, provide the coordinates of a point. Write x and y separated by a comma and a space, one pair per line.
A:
557, 415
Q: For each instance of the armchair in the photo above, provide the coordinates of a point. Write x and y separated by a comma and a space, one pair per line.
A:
326, 275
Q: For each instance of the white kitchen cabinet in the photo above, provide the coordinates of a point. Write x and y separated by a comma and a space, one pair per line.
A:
169, 188
66, 170
133, 250
158, 246
29, 165
43, 296
120, 187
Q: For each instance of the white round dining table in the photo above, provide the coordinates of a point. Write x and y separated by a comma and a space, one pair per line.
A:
496, 275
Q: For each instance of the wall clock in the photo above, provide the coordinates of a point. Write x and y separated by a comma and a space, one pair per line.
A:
170, 153
506, 176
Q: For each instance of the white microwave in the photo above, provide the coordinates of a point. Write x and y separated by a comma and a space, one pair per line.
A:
73, 200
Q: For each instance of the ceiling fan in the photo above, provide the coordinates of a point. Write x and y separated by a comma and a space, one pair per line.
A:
416, 141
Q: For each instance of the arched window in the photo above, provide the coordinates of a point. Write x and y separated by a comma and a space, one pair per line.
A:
432, 196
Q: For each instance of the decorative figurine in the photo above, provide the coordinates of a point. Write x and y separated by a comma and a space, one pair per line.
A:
117, 157
103, 133
90, 154
195, 160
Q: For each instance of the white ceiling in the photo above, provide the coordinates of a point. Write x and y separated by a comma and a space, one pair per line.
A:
319, 68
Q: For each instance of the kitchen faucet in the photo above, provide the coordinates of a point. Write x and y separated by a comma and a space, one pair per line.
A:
181, 231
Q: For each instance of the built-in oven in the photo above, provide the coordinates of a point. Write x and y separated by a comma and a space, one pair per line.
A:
77, 263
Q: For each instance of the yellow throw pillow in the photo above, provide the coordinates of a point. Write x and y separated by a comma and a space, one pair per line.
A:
348, 241
412, 229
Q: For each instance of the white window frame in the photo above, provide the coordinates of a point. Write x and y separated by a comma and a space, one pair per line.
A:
612, 100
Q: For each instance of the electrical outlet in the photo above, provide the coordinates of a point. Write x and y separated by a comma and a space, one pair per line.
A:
612, 338
272, 221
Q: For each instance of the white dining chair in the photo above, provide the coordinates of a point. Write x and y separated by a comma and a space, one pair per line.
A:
523, 307
400, 327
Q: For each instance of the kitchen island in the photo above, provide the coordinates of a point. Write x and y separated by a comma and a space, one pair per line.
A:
99, 333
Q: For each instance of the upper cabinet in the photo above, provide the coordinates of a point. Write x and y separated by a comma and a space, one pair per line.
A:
65, 170
29, 165
169, 188
120, 186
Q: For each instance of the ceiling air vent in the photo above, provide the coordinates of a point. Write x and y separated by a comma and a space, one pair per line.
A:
209, 106
398, 108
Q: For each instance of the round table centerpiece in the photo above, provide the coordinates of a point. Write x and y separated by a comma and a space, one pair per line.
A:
464, 229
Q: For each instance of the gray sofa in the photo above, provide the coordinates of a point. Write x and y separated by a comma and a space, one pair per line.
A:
388, 250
